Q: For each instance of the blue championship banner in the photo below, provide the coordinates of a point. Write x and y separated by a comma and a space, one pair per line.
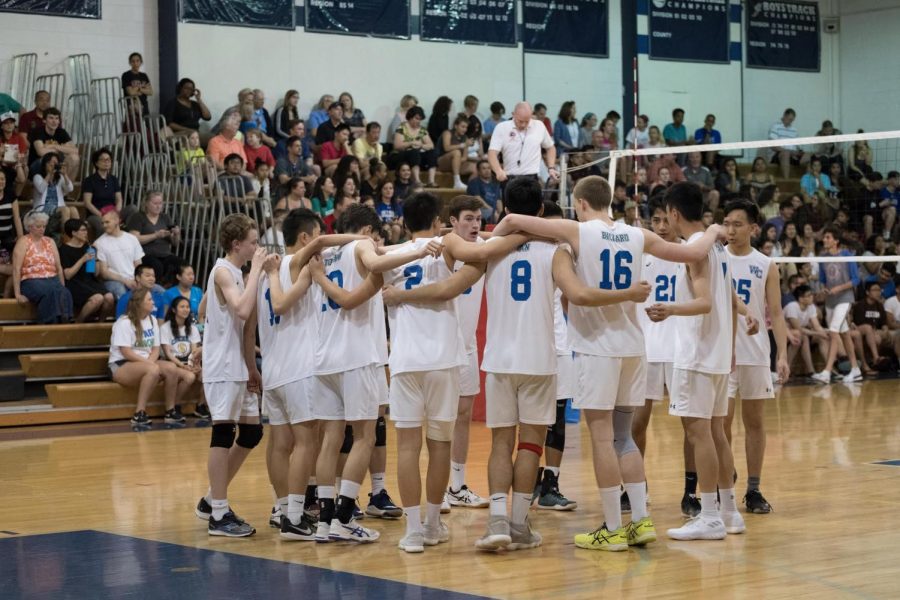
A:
85, 9
690, 30
379, 18
469, 21
573, 27
270, 14
783, 35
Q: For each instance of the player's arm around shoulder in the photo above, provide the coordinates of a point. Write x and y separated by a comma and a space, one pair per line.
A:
701, 304
368, 256
577, 292
473, 252
678, 252
562, 230
346, 299
440, 291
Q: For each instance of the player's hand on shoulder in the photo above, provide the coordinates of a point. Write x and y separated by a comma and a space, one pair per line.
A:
432, 248
659, 312
316, 266
639, 291
272, 263
389, 296
752, 325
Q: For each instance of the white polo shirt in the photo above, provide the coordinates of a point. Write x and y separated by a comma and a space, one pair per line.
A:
521, 150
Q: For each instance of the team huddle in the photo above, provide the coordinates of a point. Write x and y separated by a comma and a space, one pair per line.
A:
604, 313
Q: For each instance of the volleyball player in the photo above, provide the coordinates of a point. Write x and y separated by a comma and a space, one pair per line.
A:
231, 379
758, 284
350, 377
609, 348
704, 351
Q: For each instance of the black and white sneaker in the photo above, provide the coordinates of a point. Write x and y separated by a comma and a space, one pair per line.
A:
141, 420
230, 526
305, 531
276, 518
174, 417
756, 503
203, 510
690, 506
201, 411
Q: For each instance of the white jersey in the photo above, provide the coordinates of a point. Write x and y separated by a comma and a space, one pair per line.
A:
659, 338
748, 276
610, 257
560, 325
703, 343
424, 337
468, 306
519, 289
349, 339
288, 341
223, 335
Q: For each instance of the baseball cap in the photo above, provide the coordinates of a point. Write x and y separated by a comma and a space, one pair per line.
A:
7, 116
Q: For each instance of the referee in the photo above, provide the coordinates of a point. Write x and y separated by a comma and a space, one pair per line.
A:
520, 141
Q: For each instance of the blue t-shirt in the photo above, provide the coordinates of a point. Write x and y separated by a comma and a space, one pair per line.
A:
676, 134
487, 191
158, 304
487, 126
888, 290
388, 212
714, 136
894, 196
196, 297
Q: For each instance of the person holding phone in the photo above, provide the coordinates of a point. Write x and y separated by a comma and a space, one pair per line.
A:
184, 112
79, 262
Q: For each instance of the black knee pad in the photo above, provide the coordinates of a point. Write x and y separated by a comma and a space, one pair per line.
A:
556, 433
380, 433
222, 435
249, 435
348, 440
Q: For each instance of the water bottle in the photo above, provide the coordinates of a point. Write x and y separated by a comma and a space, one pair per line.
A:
91, 264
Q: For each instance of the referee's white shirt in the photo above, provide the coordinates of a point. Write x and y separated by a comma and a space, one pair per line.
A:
521, 150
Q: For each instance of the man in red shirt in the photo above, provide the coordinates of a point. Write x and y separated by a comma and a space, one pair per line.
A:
34, 119
332, 152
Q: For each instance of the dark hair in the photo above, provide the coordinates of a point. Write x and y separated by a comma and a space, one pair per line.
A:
524, 197
182, 267
297, 221
420, 210
834, 231
613, 115
469, 100
565, 111
785, 204
537, 107
342, 171
869, 285
372, 125
358, 216
181, 83
551, 209
441, 107
45, 160
461, 118
292, 140
171, 313
789, 111
749, 208
687, 198
233, 156
498, 108
341, 127
619, 184
318, 185
139, 270
595, 190
133, 54
801, 290
892, 174
676, 111
72, 225
415, 111
766, 195
52, 111
461, 203
95, 156
657, 202
39, 92
475, 130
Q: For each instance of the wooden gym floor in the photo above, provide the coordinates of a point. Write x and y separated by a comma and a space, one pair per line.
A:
101, 512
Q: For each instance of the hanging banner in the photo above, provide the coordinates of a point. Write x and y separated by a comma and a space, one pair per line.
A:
783, 35
270, 14
693, 31
378, 18
469, 21
573, 27
85, 9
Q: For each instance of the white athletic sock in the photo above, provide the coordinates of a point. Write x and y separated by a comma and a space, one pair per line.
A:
219, 508
282, 504
325, 492
498, 505
350, 489
413, 519
295, 507
554, 470
708, 508
377, 483
726, 497
457, 475
432, 513
520, 505
637, 495
311, 481
612, 507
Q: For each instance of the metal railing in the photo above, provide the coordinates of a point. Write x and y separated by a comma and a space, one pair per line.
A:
55, 84
80, 73
23, 72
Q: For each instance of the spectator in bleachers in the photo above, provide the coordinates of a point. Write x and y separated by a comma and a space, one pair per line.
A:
793, 282
785, 215
243, 97
890, 202
639, 137
413, 146
474, 133
225, 144
439, 121
803, 318
158, 235
100, 189
13, 149
135, 83
185, 111
470, 106
348, 166
352, 115
38, 275
727, 181
675, 133
34, 119
566, 132
49, 188
485, 187
759, 177
10, 231
406, 103
539, 114
403, 183
331, 152
52, 138
709, 135
293, 196
588, 126
184, 288
387, 207
829, 152
452, 150
286, 114
263, 119
860, 159
497, 112
79, 262
366, 147
248, 120
323, 199
663, 179
235, 182
884, 277
118, 253
769, 233
870, 319
254, 149
134, 360
262, 180
327, 130
377, 173
144, 279
818, 190
292, 165
695, 172
180, 338
604, 138
788, 153
892, 308
191, 155
319, 114
789, 242
273, 237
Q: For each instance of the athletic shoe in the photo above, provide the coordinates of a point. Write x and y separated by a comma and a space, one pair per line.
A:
201, 411
853, 376
690, 506
523, 537
140, 419
445, 505
823, 377
640, 533
230, 526
756, 503
276, 518
381, 506
625, 502
358, 514
174, 417
322, 531
699, 528
304, 531
436, 534
497, 534
734, 522
351, 532
203, 510
554, 500
603, 539
466, 497
413, 542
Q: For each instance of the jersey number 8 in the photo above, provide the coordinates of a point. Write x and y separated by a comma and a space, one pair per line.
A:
520, 281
